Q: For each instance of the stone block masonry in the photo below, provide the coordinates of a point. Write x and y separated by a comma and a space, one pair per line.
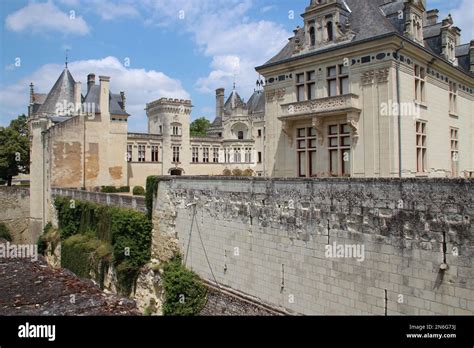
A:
15, 212
328, 246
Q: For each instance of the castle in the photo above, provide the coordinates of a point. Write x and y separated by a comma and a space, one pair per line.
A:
373, 88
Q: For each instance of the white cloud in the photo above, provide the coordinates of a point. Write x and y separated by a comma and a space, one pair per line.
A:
45, 17
141, 86
223, 31
462, 17
108, 10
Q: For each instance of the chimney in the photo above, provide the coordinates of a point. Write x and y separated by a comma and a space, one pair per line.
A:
90, 81
220, 102
77, 97
32, 93
432, 17
104, 95
122, 95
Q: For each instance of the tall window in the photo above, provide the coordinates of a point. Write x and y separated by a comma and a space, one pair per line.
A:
454, 151
240, 135
175, 154
215, 157
306, 86
421, 147
338, 80
226, 155
312, 36
420, 78
129, 153
154, 153
141, 153
237, 155
176, 129
205, 155
306, 151
330, 31
339, 149
195, 154
248, 155
453, 95
259, 157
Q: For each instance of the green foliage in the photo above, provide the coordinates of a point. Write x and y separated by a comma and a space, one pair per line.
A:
49, 236
226, 172
237, 172
199, 127
151, 189
4, 232
14, 149
184, 292
83, 253
124, 234
112, 189
2, 182
247, 172
138, 191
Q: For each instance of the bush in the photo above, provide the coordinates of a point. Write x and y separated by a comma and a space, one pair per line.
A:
184, 292
237, 172
100, 231
226, 172
4, 232
2, 182
138, 191
108, 189
49, 236
124, 189
247, 172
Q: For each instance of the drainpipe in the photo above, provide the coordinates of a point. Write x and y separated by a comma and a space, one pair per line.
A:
399, 111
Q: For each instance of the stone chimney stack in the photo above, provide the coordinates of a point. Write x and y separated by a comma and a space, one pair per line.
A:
220, 102
432, 17
90, 81
104, 96
124, 99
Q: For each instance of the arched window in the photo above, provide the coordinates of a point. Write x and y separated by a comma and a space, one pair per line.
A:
240, 135
312, 36
329, 29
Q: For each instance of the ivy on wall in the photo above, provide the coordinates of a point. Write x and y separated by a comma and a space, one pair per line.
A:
151, 189
94, 236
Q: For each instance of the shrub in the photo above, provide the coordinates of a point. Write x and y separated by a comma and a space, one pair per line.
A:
247, 172
49, 236
237, 172
4, 232
226, 172
2, 182
108, 189
124, 189
184, 292
138, 191
105, 235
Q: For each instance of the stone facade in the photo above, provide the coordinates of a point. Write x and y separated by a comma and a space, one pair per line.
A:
15, 213
270, 238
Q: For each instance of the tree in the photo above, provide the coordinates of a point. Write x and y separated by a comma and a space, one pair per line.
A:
14, 149
199, 127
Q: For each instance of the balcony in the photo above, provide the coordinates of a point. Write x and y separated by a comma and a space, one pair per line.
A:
340, 104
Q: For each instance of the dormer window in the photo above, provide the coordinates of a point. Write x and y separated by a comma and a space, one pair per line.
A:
312, 37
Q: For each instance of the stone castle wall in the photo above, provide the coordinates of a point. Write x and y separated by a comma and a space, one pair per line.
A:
270, 239
15, 212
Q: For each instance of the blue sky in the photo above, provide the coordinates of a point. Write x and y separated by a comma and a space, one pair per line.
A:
151, 48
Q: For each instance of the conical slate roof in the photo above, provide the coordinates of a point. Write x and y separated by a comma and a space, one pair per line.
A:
233, 101
62, 93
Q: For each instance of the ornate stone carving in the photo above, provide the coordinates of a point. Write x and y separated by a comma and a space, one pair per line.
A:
353, 121
278, 94
322, 105
380, 75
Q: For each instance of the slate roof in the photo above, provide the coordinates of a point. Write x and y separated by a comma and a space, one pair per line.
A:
233, 101
370, 19
115, 101
256, 103
61, 93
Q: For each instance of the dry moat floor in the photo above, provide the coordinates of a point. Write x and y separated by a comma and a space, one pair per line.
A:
34, 288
